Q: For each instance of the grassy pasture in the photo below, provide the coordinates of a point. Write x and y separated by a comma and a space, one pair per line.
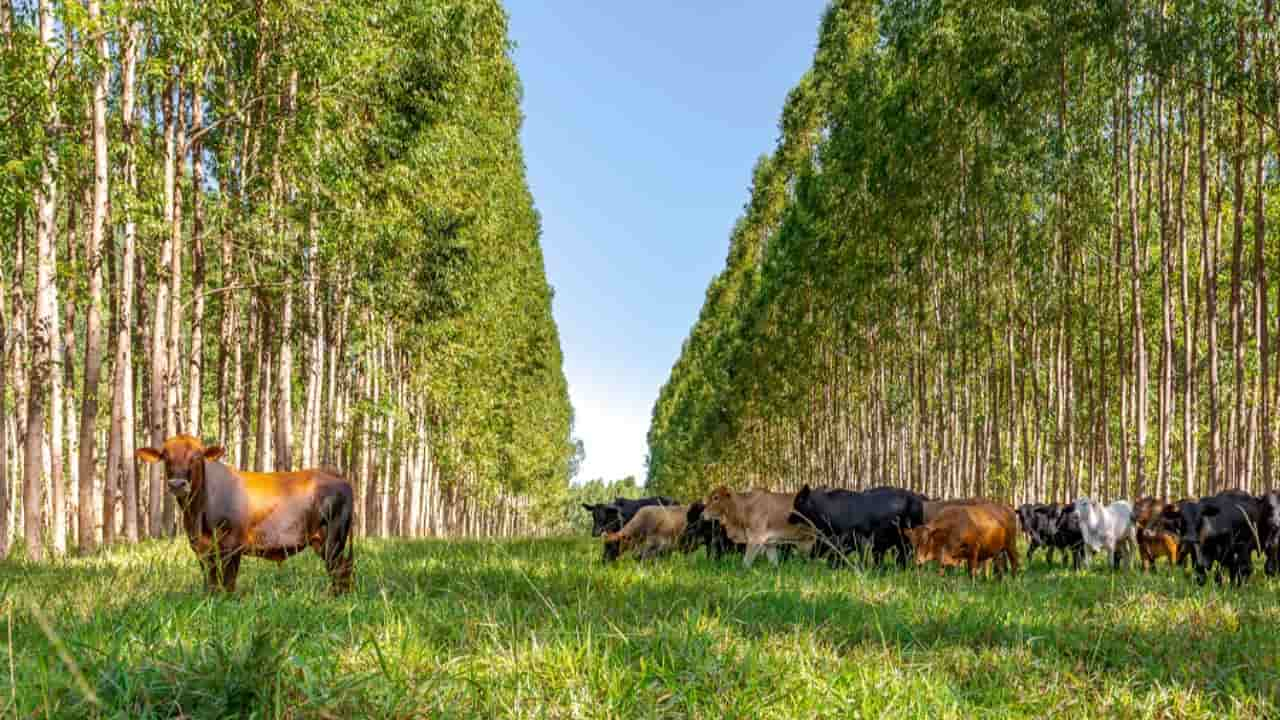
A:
540, 629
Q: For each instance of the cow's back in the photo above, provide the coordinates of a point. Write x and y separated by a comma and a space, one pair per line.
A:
769, 510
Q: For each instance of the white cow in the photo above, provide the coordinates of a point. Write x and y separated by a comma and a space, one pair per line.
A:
1108, 527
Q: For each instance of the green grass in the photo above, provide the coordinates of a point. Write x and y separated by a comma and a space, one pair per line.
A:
541, 629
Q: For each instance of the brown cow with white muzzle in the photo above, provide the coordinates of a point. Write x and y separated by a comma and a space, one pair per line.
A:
229, 513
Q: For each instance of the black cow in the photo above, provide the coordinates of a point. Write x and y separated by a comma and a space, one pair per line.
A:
1034, 518
1054, 527
1222, 529
702, 531
611, 516
1062, 532
849, 521
1270, 530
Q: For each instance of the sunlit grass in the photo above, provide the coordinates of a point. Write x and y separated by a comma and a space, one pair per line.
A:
542, 629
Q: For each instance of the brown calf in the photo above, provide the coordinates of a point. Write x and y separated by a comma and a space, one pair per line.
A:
654, 531
229, 513
968, 535
1153, 540
759, 519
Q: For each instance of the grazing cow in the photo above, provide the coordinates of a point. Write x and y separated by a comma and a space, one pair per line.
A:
229, 513
1034, 518
611, 516
1109, 527
1062, 532
702, 531
968, 535
849, 521
1270, 531
653, 531
758, 519
1154, 542
1223, 529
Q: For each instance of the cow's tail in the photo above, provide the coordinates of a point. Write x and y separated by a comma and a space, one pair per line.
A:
338, 514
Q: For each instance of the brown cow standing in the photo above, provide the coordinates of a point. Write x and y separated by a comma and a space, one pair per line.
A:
229, 513
968, 535
1153, 541
758, 519
654, 531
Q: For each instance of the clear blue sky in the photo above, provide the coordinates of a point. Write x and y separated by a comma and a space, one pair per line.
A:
642, 123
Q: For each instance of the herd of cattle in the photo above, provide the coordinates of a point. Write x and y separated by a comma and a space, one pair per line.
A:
228, 514
1220, 532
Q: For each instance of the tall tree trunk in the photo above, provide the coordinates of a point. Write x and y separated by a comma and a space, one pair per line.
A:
1209, 273
1261, 297
43, 332
5, 346
265, 331
195, 393
58, 384
93, 318
284, 389
1137, 265
174, 420
1166, 297
158, 416
122, 394
1238, 418
315, 329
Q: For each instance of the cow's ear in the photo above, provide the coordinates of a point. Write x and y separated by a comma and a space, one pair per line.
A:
213, 452
149, 455
588, 508
804, 492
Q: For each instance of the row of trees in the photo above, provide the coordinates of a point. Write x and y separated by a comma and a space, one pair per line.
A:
301, 230
1027, 250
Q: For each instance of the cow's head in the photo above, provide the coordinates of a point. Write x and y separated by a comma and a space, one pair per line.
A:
923, 543
1146, 512
1036, 521
1170, 518
804, 510
718, 503
615, 544
1024, 516
1064, 519
184, 457
604, 518
1190, 521
1087, 511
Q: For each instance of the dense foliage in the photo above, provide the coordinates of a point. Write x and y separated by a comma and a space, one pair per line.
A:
315, 244
1026, 250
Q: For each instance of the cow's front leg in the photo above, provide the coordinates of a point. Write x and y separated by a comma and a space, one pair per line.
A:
211, 567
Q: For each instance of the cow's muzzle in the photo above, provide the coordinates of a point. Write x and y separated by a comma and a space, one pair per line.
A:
179, 485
